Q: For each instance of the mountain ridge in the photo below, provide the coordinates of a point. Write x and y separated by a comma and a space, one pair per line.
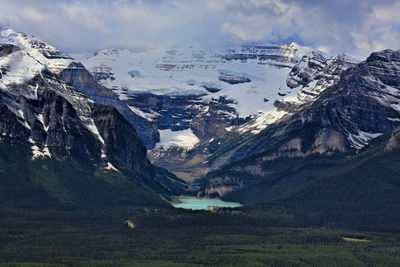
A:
333, 134
60, 124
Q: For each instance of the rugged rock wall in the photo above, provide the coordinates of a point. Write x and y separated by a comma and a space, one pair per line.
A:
58, 122
345, 117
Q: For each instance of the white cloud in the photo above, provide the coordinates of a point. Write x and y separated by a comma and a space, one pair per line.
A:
324, 49
83, 16
358, 26
243, 31
387, 13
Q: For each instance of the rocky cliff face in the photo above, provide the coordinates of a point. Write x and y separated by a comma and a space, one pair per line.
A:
56, 116
189, 98
196, 131
364, 103
314, 74
6, 49
75, 74
345, 117
80, 78
198, 124
198, 109
58, 122
306, 80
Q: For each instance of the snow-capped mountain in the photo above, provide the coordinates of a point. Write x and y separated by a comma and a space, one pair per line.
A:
361, 105
47, 108
42, 111
22, 70
364, 103
75, 74
195, 95
247, 120
307, 79
187, 102
45, 54
251, 76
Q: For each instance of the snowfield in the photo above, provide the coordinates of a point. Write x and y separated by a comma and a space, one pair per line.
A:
188, 70
184, 138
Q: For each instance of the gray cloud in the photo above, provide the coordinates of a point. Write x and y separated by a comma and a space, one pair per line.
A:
352, 26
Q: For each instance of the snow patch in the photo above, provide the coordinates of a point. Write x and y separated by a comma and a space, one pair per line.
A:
42, 53
261, 122
148, 116
184, 138
21, 68
361, 139
41, 120
111, 167
38, 153
184, 70
394, 119
229, 128
93, 128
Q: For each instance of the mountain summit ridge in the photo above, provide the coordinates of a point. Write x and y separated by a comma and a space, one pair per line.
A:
44, 114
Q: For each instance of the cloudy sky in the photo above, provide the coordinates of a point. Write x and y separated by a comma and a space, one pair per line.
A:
333, 26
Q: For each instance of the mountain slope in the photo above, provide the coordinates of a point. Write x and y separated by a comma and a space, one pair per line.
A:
192, 96
338, 190
322, 160
360, 106
58, 183
74, 73
59, 132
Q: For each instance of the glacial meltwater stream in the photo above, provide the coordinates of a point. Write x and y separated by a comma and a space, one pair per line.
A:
193, 203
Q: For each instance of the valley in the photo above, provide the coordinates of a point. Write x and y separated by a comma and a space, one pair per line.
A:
261, 155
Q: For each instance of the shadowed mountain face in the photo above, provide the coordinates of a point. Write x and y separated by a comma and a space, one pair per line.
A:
322, 159
189, 97
46, 121
324, 124
77, 76
199, 98
339, 189
362, 105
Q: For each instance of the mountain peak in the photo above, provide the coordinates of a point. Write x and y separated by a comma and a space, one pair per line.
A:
7, 32
386, 55
54, 59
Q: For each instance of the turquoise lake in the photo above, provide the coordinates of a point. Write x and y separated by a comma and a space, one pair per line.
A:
202, 203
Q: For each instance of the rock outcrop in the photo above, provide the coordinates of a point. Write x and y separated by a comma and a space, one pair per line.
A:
362, 104
44, 111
